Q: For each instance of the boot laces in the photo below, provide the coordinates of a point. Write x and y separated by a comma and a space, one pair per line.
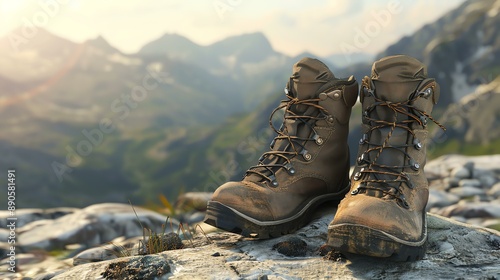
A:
394, 176
270, 162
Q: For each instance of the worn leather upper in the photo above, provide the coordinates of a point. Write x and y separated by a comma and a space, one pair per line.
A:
389, 190
319, 107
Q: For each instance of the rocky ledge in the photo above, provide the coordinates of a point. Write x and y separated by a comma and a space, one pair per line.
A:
454, 250
105, 241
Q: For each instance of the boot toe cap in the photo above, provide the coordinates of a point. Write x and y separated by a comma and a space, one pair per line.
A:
381, 215
246, 198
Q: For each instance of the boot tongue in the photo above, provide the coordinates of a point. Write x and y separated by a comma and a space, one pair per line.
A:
308, 76
396, 77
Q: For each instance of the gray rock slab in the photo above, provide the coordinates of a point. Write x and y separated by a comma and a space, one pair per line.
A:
91, 226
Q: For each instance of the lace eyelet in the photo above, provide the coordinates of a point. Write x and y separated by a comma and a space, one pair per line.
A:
330, 119
355, 191
363, 139
336, 94
414, 165
272, 180
358, 174
289, 168
427, 93
319, 141
405, 203
423, 119
362, 159
417, 144
307, 156
410, 184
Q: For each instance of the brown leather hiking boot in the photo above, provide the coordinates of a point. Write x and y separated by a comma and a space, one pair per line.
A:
308, 163
383, 215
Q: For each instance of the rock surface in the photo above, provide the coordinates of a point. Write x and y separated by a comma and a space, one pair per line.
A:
454, 250
90, 226
102, 240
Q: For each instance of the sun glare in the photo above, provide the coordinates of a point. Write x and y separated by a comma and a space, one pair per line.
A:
11, 6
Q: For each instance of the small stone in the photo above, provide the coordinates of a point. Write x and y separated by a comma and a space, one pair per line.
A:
216, 254
461, 173
475, 183
292, 247
467, 191
487, 181
325, 249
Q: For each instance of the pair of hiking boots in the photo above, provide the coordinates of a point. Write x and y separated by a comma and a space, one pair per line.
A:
382, 206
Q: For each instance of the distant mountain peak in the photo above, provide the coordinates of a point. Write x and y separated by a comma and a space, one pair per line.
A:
102, 44
254, 39
171, 44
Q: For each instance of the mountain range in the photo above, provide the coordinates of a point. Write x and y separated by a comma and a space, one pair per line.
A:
85, 123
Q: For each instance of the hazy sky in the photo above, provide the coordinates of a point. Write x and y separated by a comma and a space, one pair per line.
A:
319, 26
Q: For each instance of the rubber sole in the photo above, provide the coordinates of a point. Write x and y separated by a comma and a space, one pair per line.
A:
362, 240
229, 219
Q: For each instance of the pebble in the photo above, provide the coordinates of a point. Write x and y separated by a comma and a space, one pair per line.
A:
291, 247
475, 183
467, 191
461, 172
